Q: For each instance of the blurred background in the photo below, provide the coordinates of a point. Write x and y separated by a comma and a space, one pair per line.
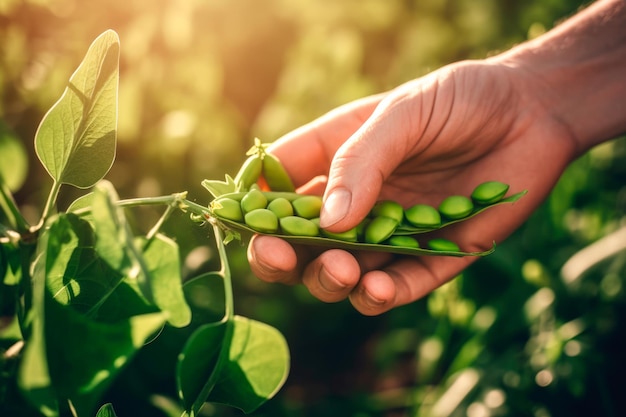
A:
535, 329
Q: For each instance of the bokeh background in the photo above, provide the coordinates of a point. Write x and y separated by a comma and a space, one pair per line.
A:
536, 329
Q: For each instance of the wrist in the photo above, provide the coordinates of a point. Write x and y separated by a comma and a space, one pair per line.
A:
577, 72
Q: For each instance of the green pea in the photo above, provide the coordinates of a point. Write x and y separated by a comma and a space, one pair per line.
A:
298, 226
347, 236
262, 220
379, 229
423, 215
281, 207
307, 206
227, 208
403, 241
254, 199
443, 245
456, 207
388, 208
489, 192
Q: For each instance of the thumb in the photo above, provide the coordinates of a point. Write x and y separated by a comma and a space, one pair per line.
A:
361, 166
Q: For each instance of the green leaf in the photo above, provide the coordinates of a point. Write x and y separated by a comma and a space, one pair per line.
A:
114, 241
162, 259
77, 137
84, 202
70, 356
218, 188
13, 159
257, 366
197, 364
106, 411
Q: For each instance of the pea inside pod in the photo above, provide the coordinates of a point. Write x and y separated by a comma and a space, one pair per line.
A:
307, 206
423, 215
281, 207
456, 207
254, 199
489, 192
227, 208
262, 220
380, 229
388, 208
298, 226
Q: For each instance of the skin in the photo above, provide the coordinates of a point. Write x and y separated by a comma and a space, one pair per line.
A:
519, 117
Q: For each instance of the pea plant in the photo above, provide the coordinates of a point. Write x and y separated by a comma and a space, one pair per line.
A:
82, 292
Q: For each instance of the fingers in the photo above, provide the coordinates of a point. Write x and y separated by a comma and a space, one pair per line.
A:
373, 282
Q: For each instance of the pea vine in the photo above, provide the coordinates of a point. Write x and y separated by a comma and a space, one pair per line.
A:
82, 292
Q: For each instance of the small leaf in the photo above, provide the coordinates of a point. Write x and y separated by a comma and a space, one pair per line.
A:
162, 259
83, 202
257, 366
76, 138
218, 188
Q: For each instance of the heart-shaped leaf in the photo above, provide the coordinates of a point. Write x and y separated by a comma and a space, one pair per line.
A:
77, 137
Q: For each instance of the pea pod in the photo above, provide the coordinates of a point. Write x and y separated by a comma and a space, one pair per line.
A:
275, 174
249, 173
376, 232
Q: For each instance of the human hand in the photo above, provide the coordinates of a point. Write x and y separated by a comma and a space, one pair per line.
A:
436, 136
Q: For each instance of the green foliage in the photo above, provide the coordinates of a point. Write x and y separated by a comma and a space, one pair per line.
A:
88, 294
198, 80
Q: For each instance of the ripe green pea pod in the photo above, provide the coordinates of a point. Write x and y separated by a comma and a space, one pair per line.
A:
275, 174
249, 173
307, 206
489, 192
262, 220
456, 207
423, 215
298, 226
441, 244
227, 208
388, 208
281, 207
254, 199
380, 229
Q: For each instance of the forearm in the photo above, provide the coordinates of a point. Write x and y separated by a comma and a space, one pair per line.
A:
578, 71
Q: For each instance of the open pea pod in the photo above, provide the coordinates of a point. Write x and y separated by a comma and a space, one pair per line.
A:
246, 232
406, 228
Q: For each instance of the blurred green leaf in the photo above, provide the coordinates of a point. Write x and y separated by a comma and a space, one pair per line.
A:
13, 159
106, 411
77, 137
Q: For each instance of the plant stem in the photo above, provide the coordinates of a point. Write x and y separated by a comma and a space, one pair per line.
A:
52, 198
225, 272
7, 203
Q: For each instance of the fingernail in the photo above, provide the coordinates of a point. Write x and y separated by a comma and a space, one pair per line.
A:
335, 207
